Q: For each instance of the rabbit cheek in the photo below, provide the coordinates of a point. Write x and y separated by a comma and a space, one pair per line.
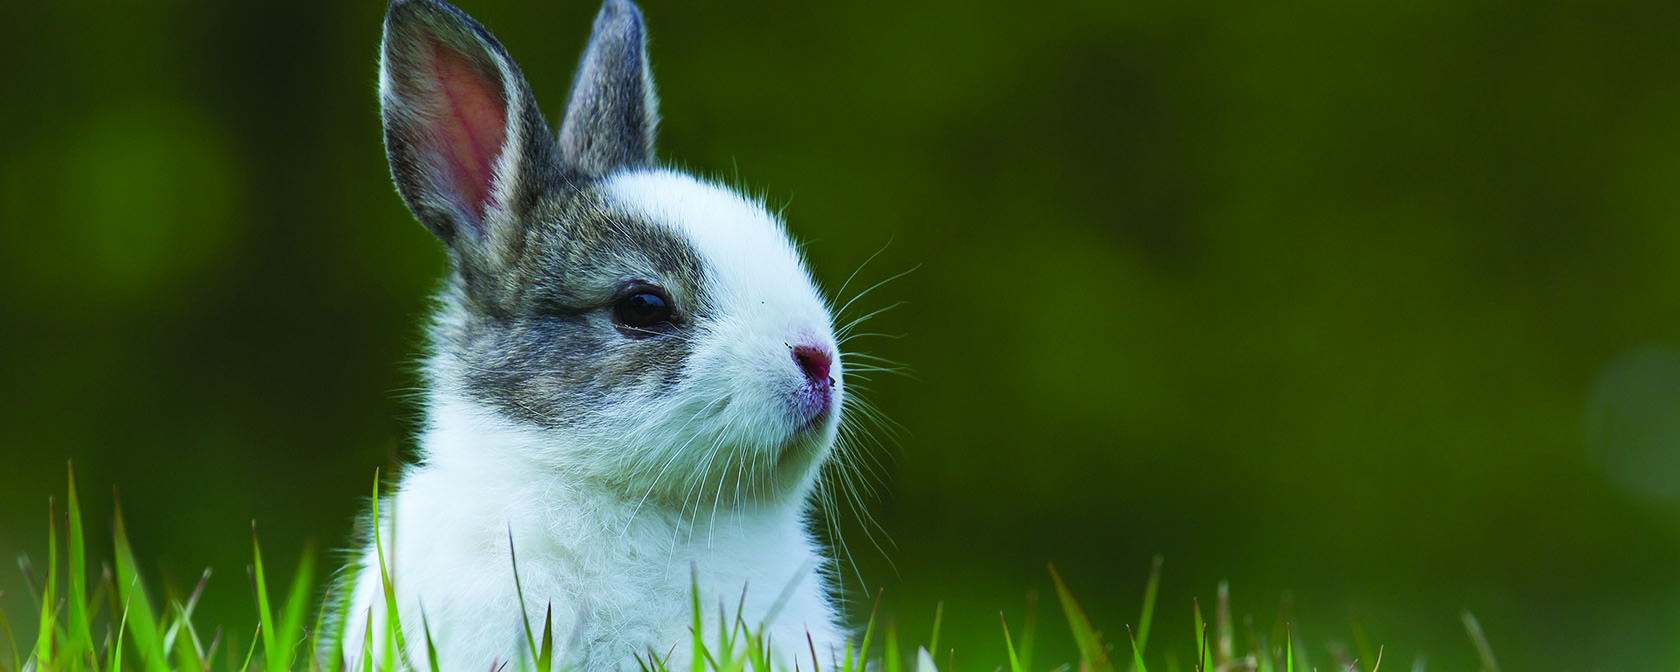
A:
561, 372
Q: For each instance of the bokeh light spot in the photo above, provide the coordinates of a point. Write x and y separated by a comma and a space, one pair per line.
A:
1633, 424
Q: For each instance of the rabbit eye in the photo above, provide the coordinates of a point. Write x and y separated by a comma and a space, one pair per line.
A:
643, 308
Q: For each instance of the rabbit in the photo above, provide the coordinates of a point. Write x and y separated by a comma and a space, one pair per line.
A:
632, 383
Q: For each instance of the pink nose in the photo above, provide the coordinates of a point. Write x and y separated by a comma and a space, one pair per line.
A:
815, 362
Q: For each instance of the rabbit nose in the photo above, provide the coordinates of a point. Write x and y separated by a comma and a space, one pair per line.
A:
815, 362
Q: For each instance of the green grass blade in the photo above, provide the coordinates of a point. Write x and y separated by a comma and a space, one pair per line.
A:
1149, 603
431, 649
519, 591
1361, 643
1289, 649
265, 616
1137, 652
80, 623
711, 661
1090, 644
726, 648
1201, 637
1483, 650
218, 641
186, 657
297, 605
116, 646
545, 652
1009, 645
394, 639
192, 656
1302, 660
869, 631
148, 639
104, 590
750, 651
11, 642
367, 643
699, 662
758, 648
1029, 629
249, 653
49, 596
892, 662
388, 656
938, 615
342, 626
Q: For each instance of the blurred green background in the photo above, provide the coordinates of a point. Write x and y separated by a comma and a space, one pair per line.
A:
1374, 305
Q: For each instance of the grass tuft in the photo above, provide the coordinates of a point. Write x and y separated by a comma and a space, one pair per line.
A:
11, 641
892, 662
1009, 645
116, 653
938, 615
1091, 650
265, 616
1289, 649
1137, 652
138, 635
1149, 592
147, 638
1474, 628
394, 640
1201, 636
49, 597
80, 625
519, 591
431, 649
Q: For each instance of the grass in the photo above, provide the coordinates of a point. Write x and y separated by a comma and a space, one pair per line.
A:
117, 625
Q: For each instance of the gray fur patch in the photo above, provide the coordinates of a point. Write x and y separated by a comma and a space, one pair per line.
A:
537, 340
613, 112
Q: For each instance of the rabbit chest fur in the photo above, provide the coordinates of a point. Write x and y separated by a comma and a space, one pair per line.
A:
633, 381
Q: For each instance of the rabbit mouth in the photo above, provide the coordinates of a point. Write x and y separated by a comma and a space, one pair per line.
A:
809, 439
806, 446
814, 424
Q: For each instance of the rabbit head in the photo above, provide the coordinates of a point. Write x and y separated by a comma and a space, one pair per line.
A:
630, 325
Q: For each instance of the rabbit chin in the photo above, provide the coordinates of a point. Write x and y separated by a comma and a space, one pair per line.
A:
742, 472
797, 463
730, 471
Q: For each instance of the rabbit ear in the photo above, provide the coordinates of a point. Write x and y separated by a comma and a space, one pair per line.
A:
610, 119
462, 131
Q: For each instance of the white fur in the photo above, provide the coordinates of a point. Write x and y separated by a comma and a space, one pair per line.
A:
608, 518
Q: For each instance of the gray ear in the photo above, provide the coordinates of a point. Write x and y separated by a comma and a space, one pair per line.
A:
610, 119
466, 142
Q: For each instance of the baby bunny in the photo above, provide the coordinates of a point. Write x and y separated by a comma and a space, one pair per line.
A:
632, 384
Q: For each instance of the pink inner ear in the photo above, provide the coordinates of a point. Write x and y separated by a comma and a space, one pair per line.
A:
470, 128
